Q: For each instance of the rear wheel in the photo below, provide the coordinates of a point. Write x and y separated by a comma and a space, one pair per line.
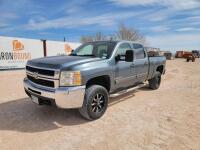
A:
154, 83
95, 102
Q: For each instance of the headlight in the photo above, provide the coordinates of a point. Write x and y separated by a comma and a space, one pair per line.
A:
70, 78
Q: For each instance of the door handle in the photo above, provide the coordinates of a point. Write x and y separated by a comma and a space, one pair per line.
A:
132, 65
146, 63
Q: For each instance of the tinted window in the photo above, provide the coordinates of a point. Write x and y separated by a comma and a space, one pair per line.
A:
123, 48
102, 50
139, 51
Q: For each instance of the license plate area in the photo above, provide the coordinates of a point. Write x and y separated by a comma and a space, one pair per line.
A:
35, 99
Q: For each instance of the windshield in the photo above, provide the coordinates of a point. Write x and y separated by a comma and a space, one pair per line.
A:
95, 49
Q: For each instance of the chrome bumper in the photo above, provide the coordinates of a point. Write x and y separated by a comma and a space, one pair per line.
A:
65, 97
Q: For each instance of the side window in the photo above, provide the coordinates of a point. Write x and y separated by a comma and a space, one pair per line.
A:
123, 48
102, 50
139, 51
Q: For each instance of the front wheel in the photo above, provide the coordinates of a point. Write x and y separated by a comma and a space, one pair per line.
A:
95, 102
154, 83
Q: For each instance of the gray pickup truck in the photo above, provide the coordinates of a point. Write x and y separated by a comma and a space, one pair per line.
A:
92, 73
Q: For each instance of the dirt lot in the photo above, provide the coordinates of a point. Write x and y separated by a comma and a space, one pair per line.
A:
168, 118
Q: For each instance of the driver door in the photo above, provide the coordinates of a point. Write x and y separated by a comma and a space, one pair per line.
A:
124, 71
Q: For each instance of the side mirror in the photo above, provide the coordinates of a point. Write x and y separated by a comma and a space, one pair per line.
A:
129, 56
118, 58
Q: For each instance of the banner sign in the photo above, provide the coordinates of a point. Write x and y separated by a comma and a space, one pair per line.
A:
14, 52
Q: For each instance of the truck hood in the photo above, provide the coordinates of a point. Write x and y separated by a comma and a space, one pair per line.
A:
59, 62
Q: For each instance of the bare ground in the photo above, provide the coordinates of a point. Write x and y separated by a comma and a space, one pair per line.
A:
168, 118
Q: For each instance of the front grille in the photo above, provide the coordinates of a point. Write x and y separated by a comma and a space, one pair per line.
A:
34, 91
40, 71
41, 81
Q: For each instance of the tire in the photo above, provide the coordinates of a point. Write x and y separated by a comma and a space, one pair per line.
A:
154, 83
95, 102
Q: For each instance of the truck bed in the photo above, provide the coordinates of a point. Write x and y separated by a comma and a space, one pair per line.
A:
154, 63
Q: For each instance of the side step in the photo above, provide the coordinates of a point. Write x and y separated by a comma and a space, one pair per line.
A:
128, 90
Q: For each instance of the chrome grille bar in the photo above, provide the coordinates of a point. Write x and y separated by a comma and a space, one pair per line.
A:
39, 76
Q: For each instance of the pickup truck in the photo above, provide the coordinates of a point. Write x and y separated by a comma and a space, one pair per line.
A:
196, 53
91, 74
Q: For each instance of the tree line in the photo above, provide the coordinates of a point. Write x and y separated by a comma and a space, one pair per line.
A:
123, 33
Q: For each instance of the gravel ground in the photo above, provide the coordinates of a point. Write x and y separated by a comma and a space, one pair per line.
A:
168, 118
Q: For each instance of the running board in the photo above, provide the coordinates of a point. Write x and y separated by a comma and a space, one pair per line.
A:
128, 90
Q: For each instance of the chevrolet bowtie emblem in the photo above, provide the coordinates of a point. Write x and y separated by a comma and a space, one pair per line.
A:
35, 75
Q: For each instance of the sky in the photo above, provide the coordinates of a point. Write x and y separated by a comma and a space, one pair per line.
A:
167, 24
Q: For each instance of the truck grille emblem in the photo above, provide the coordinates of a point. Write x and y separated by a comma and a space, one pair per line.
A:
35, 75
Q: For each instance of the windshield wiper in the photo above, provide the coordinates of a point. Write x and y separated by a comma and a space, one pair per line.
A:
73, 54
87, 55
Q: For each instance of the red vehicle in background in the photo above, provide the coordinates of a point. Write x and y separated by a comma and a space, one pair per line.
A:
189, 56
179, 54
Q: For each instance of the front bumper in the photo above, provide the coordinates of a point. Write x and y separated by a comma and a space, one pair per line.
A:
64, 97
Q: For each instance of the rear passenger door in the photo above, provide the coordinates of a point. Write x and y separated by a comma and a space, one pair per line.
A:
141, 62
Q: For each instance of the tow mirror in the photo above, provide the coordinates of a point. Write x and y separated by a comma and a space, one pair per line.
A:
118, 58
129, 56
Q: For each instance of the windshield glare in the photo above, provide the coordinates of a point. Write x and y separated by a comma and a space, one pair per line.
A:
95, 49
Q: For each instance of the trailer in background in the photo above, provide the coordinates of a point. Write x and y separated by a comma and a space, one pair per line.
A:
168, 55
180, 54
152, 52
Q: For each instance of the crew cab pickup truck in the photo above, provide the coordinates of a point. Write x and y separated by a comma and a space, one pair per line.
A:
91, 74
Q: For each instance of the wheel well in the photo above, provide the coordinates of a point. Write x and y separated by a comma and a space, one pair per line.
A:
101, 80
160, 69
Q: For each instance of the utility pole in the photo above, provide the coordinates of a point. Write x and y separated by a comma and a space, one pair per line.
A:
44, 47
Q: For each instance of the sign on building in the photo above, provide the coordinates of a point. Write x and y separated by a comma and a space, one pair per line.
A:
14, 52
55, 48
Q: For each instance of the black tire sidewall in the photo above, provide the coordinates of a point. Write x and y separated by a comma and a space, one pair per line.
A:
96, 89
153, 82
156, 83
